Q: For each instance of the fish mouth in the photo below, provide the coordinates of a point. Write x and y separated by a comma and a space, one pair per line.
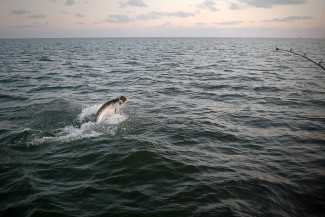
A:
122, 100
122, 103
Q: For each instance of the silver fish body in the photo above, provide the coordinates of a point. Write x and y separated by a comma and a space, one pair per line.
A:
110, 108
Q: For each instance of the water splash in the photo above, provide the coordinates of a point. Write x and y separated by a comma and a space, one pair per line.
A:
85, 127
88, 113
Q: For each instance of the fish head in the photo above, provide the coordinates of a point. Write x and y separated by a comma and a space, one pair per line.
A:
122, 100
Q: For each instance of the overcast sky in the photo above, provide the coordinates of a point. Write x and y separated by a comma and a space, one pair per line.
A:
165, 18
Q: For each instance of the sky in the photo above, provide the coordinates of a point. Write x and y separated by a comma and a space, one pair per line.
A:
162, 18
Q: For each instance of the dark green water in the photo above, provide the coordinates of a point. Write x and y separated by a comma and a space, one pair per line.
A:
213, 127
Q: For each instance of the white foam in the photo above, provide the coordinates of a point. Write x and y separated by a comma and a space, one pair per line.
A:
87, 129
115, 119
89, 112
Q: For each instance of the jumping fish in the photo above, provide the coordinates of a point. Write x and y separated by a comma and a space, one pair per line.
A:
110, 108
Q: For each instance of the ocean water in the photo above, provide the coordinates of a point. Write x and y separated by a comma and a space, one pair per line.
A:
212, 127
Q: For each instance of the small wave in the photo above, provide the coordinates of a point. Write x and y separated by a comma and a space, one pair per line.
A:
266, 89
45, 59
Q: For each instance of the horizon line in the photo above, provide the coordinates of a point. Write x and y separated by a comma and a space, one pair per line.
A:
94, 37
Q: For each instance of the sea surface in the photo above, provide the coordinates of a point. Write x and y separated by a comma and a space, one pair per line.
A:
212, 127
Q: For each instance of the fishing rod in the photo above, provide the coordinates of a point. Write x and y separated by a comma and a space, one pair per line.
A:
320, 64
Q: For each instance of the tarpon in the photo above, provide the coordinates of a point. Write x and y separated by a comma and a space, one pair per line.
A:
110, 108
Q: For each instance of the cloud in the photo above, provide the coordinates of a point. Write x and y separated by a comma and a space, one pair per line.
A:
20, 11
150, 16
235, 6
80, 15
289, 19
53, 0
137, 3
69, 2
36, 16
209, 5
270, 3
119, 18
156, 15
40, 24
234, 22
179, 14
